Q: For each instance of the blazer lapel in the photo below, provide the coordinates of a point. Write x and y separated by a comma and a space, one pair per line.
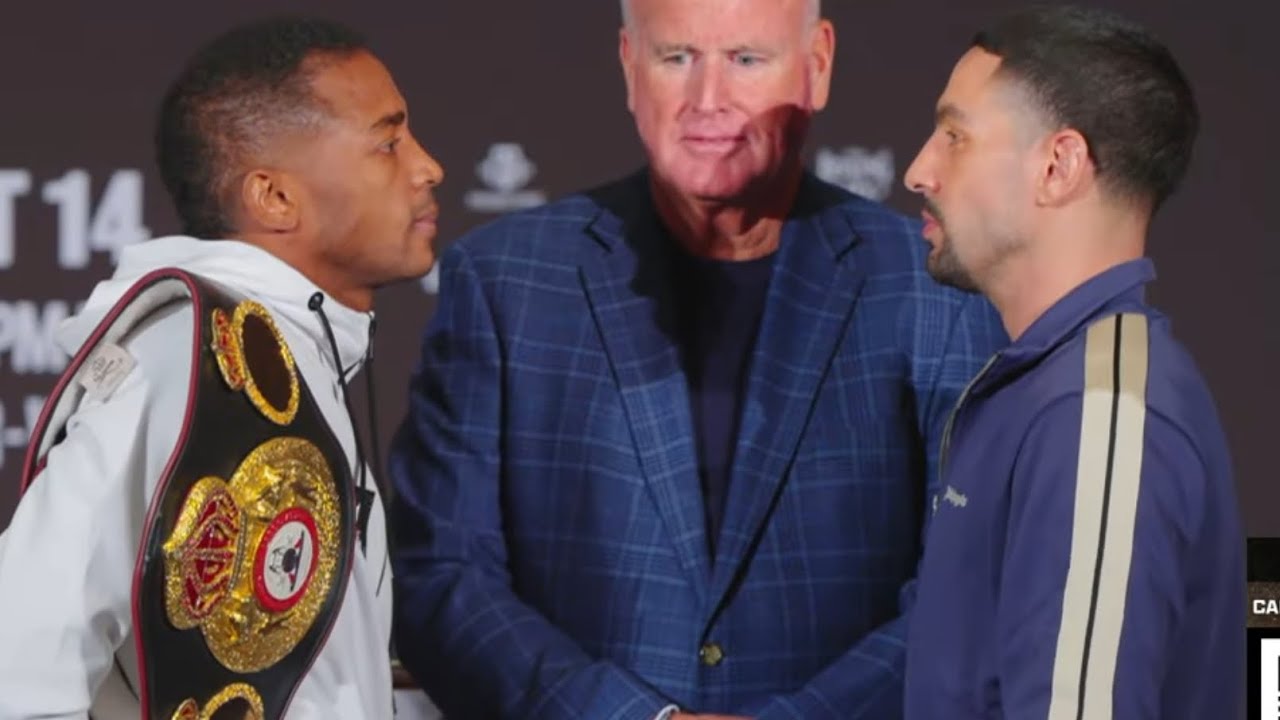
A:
629, 291
811, 298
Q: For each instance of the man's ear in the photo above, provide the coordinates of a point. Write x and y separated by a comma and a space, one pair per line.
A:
821, 55
1067, 171
626, 56
269, 200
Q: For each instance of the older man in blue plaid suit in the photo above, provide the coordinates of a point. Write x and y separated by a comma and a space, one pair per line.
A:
671, 442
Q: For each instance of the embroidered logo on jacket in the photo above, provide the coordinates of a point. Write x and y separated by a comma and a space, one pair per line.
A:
955, 497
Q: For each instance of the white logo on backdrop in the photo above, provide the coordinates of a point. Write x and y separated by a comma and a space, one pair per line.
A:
506, 170
865, 172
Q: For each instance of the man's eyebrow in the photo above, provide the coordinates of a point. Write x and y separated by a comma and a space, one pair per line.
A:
666, 48
390, 120
947, 111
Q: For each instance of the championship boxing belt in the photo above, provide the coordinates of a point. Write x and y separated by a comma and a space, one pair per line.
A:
248, 539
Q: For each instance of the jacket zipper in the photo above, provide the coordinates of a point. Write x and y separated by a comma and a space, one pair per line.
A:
946, 430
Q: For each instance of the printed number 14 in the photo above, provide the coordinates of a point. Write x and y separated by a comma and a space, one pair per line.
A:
117, 222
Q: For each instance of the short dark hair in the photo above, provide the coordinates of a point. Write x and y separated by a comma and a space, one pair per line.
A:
1113, 82
232, 97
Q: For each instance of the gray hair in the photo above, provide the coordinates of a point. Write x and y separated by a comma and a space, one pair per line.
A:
815, 11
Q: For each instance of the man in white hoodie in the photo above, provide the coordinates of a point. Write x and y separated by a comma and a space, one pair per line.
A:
285, 146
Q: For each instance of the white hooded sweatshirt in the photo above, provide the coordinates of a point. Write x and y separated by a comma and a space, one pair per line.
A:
67, 558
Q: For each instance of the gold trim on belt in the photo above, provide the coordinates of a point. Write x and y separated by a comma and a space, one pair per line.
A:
250, 562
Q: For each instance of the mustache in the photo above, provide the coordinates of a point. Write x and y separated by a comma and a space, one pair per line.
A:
430, 209
933, 210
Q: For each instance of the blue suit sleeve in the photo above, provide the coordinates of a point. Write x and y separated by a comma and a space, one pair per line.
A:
948, 344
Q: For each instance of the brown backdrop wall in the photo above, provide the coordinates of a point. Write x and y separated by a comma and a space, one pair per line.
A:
522, 101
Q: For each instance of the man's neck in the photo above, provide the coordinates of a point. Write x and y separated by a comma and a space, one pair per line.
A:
731, 230
1032, 281
334, 282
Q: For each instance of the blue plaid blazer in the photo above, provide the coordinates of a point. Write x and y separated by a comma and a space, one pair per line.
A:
550, 554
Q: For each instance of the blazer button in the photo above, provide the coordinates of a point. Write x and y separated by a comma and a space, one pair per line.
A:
711, 654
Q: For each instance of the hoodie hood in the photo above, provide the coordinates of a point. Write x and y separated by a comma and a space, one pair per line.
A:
241, 267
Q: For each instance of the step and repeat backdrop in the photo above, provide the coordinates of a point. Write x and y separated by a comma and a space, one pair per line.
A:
523, 102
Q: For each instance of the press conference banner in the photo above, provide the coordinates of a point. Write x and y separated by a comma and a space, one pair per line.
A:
522, 102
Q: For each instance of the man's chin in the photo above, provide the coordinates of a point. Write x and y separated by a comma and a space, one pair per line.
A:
413, 266
721, 182
948, 274
420, 268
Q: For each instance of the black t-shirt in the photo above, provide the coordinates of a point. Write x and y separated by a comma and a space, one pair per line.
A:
719, 307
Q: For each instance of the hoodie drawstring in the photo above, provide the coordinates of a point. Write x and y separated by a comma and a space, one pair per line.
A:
364, 496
